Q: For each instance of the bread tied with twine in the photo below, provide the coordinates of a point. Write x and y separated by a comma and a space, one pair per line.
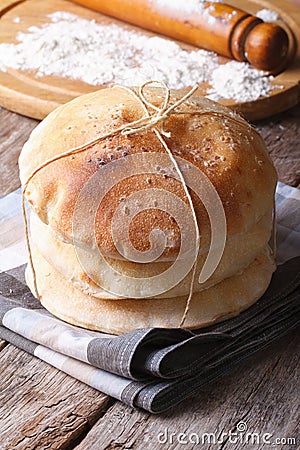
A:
128, 198
154, 119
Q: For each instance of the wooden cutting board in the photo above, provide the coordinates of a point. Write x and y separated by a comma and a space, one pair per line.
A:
22, 92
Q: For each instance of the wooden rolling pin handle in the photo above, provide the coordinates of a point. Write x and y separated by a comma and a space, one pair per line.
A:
264, 45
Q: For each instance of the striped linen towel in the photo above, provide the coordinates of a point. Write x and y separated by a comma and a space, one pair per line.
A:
149, 368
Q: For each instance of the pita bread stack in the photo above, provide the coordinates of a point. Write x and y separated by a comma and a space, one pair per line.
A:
112, 232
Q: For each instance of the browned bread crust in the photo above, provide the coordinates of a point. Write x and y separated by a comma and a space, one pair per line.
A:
222, 145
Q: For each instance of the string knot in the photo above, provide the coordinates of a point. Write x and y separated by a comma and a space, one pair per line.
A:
155, 115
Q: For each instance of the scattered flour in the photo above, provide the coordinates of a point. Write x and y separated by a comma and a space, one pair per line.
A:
177, 8
267, 15
240, 82
181, 6
99, 54
2, 67
96, 53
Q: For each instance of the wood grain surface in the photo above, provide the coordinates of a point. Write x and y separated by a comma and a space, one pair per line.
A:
24, 93
14, 132
282, 136
2, 344
41, 407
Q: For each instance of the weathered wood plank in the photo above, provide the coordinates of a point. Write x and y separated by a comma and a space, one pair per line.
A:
262, 393
282, 136
2, 344
41, 407
14, 132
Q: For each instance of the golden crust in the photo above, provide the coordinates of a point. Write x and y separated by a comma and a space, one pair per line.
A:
224, 300
239, 253
223, 146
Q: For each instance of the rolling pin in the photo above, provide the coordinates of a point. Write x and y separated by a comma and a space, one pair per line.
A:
218, 27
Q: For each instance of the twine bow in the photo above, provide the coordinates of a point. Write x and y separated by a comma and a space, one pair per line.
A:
160, 113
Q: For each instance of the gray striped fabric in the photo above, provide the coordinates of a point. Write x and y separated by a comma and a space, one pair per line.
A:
156, 368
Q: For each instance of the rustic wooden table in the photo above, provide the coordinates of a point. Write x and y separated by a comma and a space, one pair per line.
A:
42, 408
